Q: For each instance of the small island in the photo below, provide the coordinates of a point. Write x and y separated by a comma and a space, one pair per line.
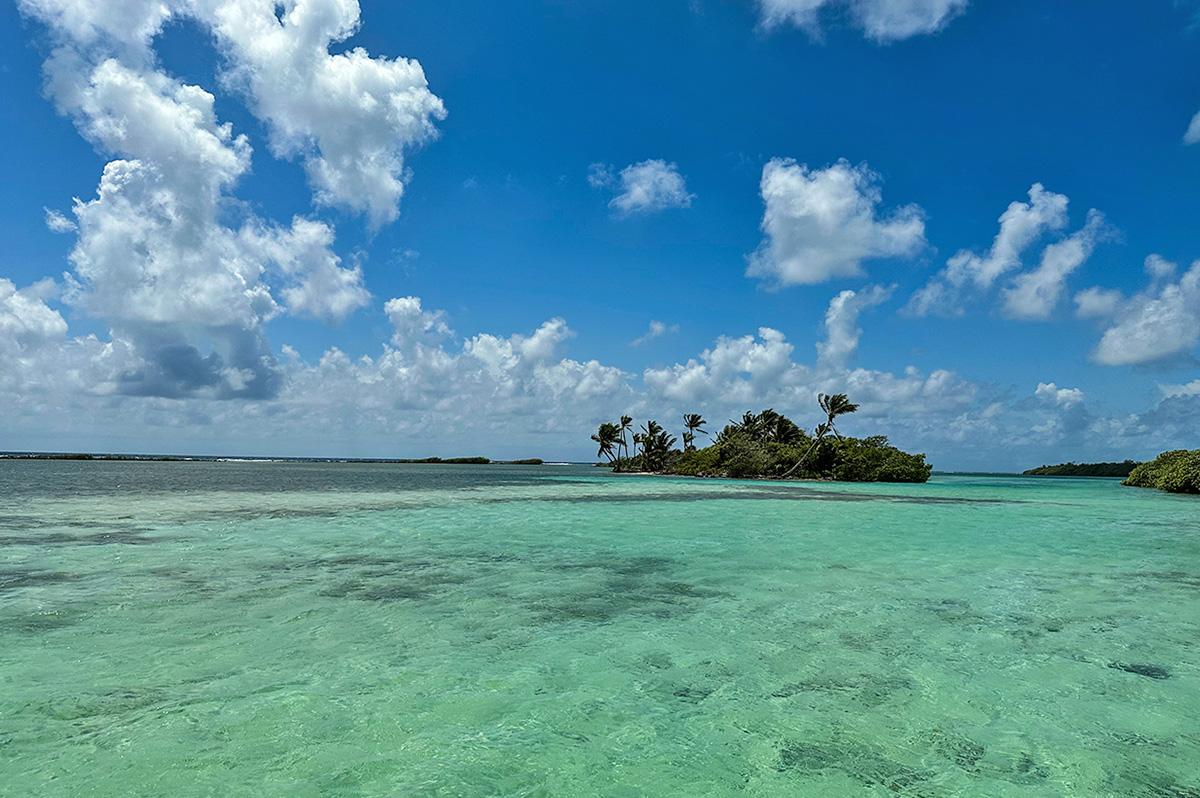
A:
1176, 471
766, 445
1122, 469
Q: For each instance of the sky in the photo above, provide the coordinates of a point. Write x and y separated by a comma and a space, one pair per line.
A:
332, 228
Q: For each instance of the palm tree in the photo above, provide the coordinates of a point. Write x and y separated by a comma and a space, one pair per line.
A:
768, 425
655, 443
749, 424
693, 423
623, 427
607, 437
650, 431
834, 405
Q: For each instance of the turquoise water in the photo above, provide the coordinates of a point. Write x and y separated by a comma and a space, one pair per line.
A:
213, 629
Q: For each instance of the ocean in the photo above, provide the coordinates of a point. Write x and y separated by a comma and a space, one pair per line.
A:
341, 629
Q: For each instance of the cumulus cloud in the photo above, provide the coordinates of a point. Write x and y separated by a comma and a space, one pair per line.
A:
841, 324
1035, 294
735, 369
413, 325
127, 24
1022, 224
657, 330
316, 285
1192, 135
757, 371
1172, 391
1097, 303
821, 224
489, 382
937, 411
26, 321
185, 276
518, 395
1050, 392
58, 223
349, 116
642, 188
1157, 324
881, 20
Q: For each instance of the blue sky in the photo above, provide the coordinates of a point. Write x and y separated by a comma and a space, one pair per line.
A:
555, 181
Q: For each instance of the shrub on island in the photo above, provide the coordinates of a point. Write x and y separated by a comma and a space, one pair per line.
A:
1177, 471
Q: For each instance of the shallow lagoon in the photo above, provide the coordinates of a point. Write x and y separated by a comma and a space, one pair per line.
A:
187, 629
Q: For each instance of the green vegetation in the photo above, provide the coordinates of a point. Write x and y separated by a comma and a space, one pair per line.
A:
527, 461
1176, 471
1083, 470
765, 445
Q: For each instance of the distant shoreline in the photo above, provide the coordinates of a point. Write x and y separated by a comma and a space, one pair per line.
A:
169, 458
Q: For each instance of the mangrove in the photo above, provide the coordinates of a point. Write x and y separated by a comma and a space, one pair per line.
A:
1176, 471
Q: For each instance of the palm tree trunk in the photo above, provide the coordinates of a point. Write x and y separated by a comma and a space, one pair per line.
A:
802, 460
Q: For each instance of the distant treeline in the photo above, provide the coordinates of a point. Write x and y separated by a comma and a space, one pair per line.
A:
464, 461
1122, 469
151, 458
169, 459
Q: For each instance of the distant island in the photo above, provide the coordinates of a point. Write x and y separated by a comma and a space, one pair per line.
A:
155, 458
1176, 471
1122, 469
764, 445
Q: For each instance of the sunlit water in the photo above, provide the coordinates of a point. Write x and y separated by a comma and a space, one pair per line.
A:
213, 629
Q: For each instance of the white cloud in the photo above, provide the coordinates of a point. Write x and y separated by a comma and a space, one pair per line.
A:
1035, 294
349, 116
657, 329
1021, 224
1158, 323
185, 276
643, 188
25, 319
881, 20
1059, 396
1174, 391
1094, 303
127, 24
758, 371
600, 175
1192, 136
841, 324
821, 224
57, 223
410, 323
518, 395
736, 369
316, 284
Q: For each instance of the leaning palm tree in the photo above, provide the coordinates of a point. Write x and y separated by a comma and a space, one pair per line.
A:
834, 405
607, 437
692, 422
